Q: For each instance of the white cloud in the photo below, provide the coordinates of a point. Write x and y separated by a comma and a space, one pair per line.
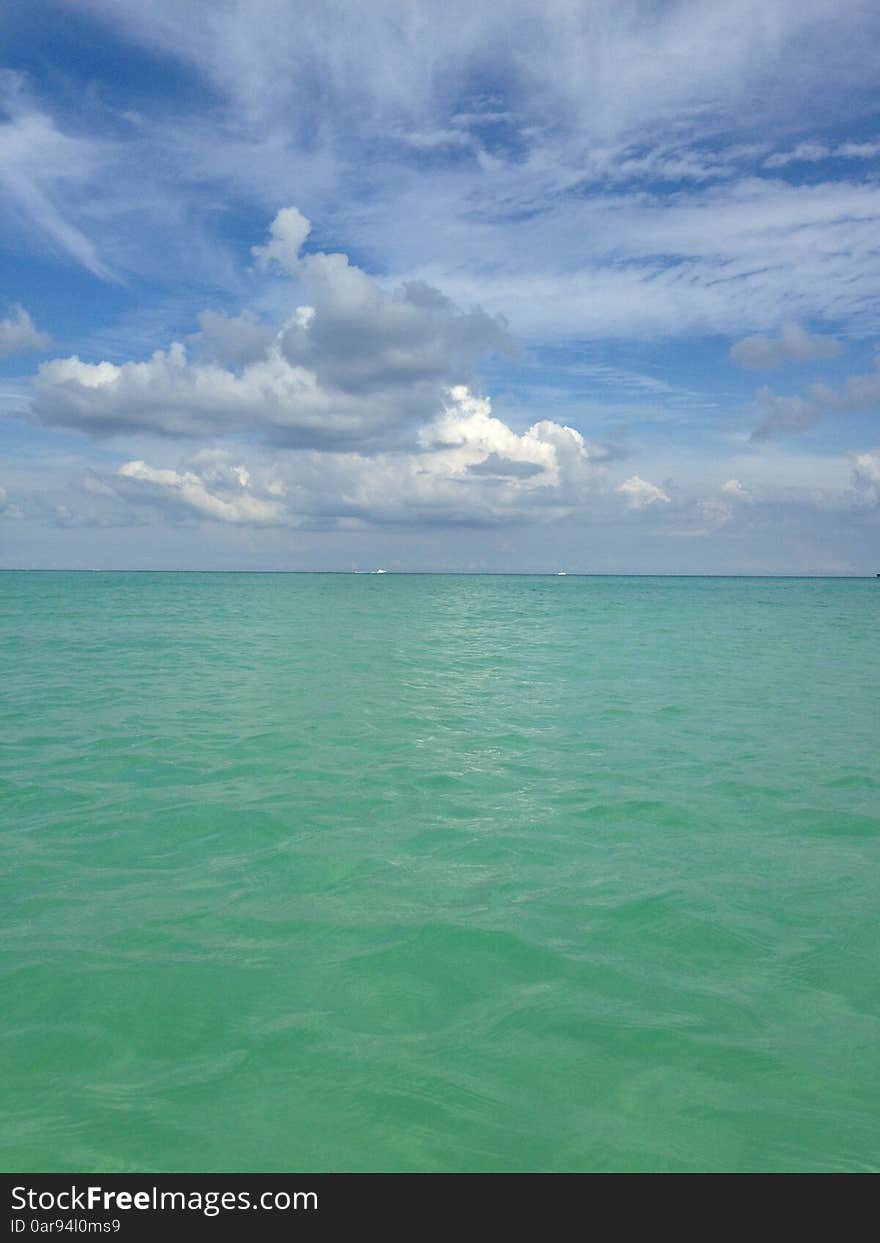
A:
804, 151
858, 150
860, 392
602, 191
469, 469
640, 493
866, 476
236, 339
797, 413
794, 344
518, 215
359, 338
735, 490
192, 492
434, 507
785, 414
811, 152
173, 396
713, 511
42, 172
288, 233
361, 367
600, 68
725, 258
466, 436
18, 333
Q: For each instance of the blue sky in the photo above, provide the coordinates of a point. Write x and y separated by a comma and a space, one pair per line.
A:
507, 286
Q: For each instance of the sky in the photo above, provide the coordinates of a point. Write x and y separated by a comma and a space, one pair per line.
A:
588, 286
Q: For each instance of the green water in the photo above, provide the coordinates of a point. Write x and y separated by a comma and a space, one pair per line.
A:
439, 873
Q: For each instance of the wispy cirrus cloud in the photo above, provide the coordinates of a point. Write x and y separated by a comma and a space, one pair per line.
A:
42, 168
731, 259
812, 152
604, 68
539, 141
619, 190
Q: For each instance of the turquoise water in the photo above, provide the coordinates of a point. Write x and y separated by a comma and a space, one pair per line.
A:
325, 872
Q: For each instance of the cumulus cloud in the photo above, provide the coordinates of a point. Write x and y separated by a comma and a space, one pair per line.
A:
500, 467
640, 493
866, 476
794, 344
785, 415
364, 390
735, 490
172, 395
714, 512
235, 339
469, 469
18, 333
612, 186
798, 413
359, 338
358, 367
191, 491
469, 436
860, 392
287, 234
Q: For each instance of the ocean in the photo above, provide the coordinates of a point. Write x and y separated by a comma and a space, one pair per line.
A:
439, 873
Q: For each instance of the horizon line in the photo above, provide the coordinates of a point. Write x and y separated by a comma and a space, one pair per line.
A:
867, 574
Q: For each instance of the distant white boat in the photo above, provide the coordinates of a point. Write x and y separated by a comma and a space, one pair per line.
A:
561, 574
380, 571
